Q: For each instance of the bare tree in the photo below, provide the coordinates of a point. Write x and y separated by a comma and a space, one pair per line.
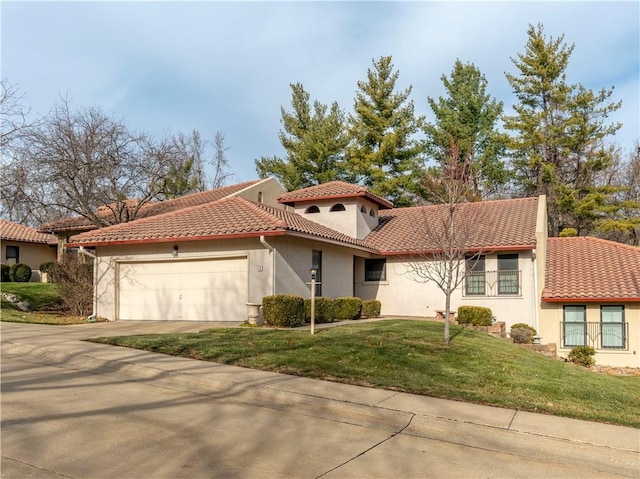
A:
451, 230
87, 163
220, 163
13, 114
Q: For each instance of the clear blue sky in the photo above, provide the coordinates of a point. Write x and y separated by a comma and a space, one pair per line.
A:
178, 66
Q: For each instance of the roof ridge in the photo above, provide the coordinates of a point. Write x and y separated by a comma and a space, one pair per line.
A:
596, 239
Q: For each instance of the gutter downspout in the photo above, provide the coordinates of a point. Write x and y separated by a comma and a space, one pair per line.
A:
272, 251
535, 294
84, 252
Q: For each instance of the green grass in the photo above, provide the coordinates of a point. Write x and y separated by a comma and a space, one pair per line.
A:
45, 302
410, 356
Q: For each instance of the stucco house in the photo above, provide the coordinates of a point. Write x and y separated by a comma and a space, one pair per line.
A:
21, 244
206, 261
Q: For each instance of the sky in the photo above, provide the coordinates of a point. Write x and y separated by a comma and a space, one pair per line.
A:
227, 66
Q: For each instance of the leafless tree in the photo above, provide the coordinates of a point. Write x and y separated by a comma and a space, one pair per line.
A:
220, 163
86, 163
13, 114
451, 228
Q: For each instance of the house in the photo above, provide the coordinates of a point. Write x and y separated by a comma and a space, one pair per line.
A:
592, 298
21, 244
208, 259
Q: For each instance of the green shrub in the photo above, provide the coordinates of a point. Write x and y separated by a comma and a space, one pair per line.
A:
20, 273
323, 312
4, 273
47, 267
582, 355
371, 308
522, 333
475, 315
347, 308
283, 310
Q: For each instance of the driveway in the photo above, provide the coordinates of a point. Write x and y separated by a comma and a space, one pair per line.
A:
72, 409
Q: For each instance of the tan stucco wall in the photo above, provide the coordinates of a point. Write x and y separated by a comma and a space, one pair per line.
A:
551, 317
294, 262
31, 254
402, 295
259, 263
352, 221
265, 191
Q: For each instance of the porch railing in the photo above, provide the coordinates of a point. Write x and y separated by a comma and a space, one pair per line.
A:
598, 335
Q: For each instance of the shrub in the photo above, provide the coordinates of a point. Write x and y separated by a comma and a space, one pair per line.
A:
371, 308
4, 273
347, 308
582, 355
47, 267
75, 276
475, 315
522, 333
283, 310
20, 273
323, 312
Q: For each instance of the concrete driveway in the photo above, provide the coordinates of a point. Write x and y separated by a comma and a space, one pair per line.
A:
72, 409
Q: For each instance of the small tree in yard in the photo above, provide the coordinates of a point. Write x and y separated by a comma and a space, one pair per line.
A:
451, 230
75, 277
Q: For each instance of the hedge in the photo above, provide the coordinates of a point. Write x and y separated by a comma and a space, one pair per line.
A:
522, 333
347, 308
475, 315
283, 310
20, 273
4, 273
323, 310
371, 308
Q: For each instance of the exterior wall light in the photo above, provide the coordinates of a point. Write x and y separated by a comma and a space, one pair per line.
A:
174, 253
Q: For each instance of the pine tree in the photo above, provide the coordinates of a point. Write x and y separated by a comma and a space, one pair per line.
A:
466, 120
560, 130
314, 138
383, 154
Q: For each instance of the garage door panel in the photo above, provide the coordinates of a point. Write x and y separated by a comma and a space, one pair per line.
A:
202, 290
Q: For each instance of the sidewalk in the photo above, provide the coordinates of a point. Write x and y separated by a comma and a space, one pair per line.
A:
357, 405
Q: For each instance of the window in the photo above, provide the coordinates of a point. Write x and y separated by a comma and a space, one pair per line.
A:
316, 263
508, 274
338, 207
375, 269
13, 254
312, 209
259, 196
372, 213
363, 209
574, 326
475, 284
612, 327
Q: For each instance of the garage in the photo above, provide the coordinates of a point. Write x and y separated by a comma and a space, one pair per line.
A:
186, 290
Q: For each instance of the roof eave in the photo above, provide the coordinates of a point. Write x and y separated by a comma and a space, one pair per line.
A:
176, 239
604, 299
468, 250
361, 194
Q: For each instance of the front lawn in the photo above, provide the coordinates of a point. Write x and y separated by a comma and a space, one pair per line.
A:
410, 356
45, 303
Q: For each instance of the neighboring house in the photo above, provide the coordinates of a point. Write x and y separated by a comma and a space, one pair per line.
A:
205, 262
592, 298
21, 244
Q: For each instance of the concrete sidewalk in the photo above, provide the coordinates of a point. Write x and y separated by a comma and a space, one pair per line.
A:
390, 411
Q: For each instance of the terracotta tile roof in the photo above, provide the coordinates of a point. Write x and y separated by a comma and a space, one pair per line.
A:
225, 218
591, 269
14, 232
497, 225
80, 223
332, 190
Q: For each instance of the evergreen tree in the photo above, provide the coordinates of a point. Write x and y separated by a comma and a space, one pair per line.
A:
465, 121
314, 138
559, 148
383, 154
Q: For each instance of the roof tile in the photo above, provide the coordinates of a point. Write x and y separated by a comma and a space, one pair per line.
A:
14, 232
332, 190
585, 268
499, 224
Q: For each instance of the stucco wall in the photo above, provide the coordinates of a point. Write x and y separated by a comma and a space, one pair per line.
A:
551, 317
402, 295
352, 222
260, 264
294, 264
31, 254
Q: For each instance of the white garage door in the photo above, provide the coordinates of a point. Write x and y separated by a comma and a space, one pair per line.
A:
202, 290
